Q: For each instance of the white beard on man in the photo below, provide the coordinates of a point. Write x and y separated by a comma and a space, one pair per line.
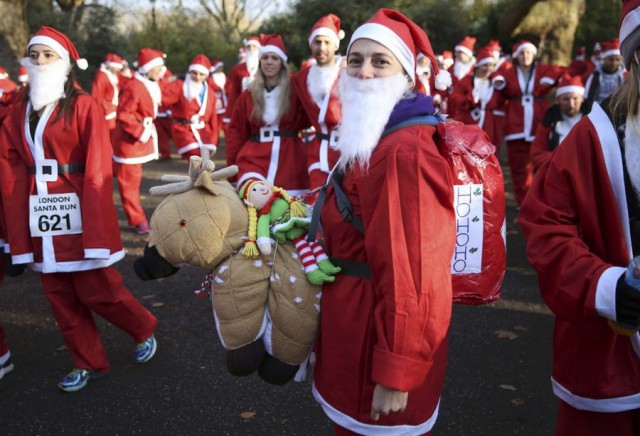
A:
191, 88
366, 108
46, 82
252, 60
320, 81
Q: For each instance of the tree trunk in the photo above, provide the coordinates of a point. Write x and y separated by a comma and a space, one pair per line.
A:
14, 33
514, 14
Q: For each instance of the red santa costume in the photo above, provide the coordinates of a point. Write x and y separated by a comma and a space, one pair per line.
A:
269, 148
242, 74
193, 109
555, 125
316, 86
218, 82
473, 100
599, 83
163, 120
106, 88
527, 103
136, 138
55, 171
389, 329
23, 77
460, 68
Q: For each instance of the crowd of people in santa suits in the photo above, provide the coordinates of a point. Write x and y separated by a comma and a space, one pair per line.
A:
286, 129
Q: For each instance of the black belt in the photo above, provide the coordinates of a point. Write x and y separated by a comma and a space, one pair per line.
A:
62, 169
182, 121
282, 133
326, 136
353, 268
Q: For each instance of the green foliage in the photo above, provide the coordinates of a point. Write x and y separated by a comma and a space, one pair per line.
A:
599, 23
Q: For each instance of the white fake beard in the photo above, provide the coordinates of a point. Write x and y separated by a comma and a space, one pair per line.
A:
366, 108
460, 69
320, 81
219, 79
191, 88
632, 154
46, 82
253, 59
153, 87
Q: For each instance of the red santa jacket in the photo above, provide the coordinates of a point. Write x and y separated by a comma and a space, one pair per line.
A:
392, 329
135, 136
194, 124
238, 80
463, 106
274, 153
7, 85
105, 90
575, 218
527, 98
66, 157
322, 154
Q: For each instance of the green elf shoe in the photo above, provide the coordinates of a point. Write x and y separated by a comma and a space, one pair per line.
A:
328, 268
317, 277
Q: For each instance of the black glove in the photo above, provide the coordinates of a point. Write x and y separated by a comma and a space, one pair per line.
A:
627, 303
12, 270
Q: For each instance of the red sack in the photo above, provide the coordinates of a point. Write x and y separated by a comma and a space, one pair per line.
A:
479, 260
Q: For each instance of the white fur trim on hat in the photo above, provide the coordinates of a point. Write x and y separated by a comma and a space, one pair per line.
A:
571, 88
247, 42
325, 31
199, 68
23, 78
464, 50
485, 61
273, 49
612, 52
50, 42
522, 47
391, 40
155, 62
630, 22
114, 65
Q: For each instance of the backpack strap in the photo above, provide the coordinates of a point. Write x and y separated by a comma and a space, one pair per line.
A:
431, 120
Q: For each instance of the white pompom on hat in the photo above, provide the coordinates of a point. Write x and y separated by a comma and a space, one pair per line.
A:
59, 43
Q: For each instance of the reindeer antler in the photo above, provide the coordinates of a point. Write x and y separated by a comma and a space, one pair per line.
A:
197, 166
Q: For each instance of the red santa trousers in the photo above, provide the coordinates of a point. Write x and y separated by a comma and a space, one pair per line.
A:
573, 422
73, 296
163, 127
520, 166
129, 177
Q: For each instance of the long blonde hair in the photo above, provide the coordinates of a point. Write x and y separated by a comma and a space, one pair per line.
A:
626, 100
257, 87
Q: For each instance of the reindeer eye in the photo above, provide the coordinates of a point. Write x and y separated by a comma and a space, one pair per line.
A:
183, 223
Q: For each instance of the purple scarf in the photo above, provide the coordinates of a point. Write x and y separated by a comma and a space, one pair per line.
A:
415, 105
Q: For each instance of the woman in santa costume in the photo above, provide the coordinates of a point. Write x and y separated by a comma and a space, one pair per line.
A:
525, 86
136, 138
55, 172
193, 108
316, 86
382, 350
582, 226
106, 87
264, 132
473, 99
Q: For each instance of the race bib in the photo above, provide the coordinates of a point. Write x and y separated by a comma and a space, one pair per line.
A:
55, 214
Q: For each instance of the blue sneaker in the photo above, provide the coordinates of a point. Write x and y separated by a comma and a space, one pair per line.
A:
146, 349
75, 380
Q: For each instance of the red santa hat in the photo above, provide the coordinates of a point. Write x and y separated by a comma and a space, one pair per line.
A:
201, 64
404, 39
60, 44
251, 40
216, 64
273, 44
328, 26
610, 48
581, 51
569, 84
517, 49
447, 57
3, 73
485, 56
148, 59
494, 45
466, 45
112, 60
629, 29
23, 76
597, 48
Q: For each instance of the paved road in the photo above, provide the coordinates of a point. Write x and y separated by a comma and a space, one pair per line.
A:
497, 382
